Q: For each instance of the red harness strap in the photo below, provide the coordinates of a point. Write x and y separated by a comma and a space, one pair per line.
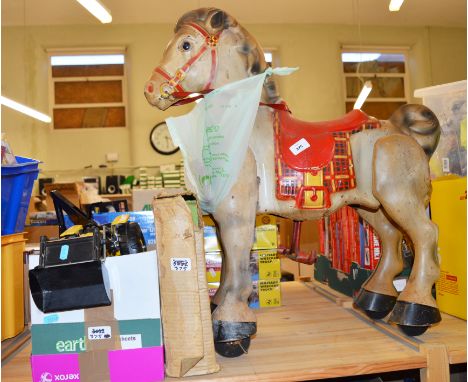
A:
174, 82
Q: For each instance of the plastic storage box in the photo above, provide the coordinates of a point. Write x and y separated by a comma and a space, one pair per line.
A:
17, 184
448, 102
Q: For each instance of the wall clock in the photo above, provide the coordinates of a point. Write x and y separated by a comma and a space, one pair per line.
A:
161, 140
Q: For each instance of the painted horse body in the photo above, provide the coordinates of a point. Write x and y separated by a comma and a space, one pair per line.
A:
393, 188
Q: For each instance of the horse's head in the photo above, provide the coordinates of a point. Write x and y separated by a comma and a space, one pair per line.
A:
209, 49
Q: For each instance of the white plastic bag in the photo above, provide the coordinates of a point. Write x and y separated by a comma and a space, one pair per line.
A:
214, 136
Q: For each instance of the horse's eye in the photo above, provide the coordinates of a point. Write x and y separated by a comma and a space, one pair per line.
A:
186, 46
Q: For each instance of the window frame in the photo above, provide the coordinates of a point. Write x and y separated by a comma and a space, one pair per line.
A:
87, 51
403, 50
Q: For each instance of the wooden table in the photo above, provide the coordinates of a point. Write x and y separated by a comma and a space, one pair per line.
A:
316, 334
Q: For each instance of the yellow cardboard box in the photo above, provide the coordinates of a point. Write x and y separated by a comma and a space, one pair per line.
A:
269, 265
213, 266
265, 293
264, 264
448, 211
266, 236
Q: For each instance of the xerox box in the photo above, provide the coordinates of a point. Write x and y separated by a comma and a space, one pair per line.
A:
105, 343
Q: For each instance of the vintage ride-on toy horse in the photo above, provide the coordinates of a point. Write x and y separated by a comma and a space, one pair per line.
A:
386, 180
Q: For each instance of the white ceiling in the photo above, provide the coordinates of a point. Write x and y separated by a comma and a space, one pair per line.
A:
450, 13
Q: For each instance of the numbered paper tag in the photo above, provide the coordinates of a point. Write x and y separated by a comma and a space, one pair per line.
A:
181, 264
399, 284
130, 341
99, 332
299, 146
445, 164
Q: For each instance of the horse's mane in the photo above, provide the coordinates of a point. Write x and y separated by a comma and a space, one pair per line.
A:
213, 20
201, 16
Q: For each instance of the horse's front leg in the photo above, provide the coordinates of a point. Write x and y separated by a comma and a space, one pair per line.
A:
233, 320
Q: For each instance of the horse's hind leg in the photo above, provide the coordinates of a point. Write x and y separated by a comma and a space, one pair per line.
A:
378, 295
233, 320
402, 185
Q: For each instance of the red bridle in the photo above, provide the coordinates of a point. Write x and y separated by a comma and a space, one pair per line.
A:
174, 82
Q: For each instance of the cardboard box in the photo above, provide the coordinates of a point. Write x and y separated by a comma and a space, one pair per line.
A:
88, 342
142, 365
188, 332
266, 235
144, 218
264, 264
34, 232
142, 199
265, 293
213, 266
71, 191
448, 211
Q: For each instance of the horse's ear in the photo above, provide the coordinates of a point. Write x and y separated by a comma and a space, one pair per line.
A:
221, 20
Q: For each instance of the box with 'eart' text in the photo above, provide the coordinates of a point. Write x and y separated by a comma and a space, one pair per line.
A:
113, 342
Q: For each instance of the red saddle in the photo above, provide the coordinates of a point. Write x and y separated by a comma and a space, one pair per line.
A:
309, 146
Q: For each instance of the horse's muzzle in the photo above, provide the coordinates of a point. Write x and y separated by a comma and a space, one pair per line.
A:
154, 96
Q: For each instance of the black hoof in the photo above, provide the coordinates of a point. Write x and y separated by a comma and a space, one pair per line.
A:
232, 349
375, 305
213, 307
225, 331
411, 314
413, 331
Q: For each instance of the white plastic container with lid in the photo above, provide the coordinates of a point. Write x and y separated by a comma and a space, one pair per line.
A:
448, 102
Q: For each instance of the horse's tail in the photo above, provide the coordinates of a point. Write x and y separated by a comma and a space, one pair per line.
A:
419, 122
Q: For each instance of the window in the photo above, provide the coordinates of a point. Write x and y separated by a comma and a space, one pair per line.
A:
271, 57
87, 88
386, 69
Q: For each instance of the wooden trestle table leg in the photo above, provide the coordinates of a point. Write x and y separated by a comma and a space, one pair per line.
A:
437, 369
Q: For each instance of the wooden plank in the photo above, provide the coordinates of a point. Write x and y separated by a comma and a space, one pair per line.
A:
451, 331
311, 337
437, 369
308, 338
11, 345
18, 368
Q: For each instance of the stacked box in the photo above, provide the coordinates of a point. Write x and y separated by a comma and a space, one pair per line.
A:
182, 173
158, 182
145, 219
351, 250
151, 181
265, 270
143, 178
171, 179
120, 342
350, 240
370, 247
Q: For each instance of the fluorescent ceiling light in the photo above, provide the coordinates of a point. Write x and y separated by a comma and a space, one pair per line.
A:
359, 57
363, 95
395, 5
25, 109
97, 10
96, 59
